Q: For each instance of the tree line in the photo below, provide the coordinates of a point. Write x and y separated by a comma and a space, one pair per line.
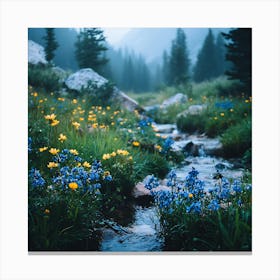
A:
227, 54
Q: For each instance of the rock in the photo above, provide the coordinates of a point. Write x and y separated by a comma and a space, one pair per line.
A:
179, 146
140, 190
193, 110
36, 53
178, 98
164, 128
192, 149
222, 166
61, 73
152, 108
84, 77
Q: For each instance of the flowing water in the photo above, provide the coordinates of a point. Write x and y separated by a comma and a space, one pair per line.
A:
141, 234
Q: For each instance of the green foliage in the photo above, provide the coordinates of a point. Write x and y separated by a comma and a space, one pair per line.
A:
50, 44
90, 48
237, 140
43, 77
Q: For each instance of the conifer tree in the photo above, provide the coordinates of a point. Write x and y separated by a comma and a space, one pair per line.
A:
179, 62
50, 44
206, 66
90, 48
239, 52
220, 55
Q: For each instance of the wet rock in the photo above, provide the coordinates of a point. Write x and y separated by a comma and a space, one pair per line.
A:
36, 53
178, 98
192, 149
152, 108
140, 191
193, 110
222, 166
164, 128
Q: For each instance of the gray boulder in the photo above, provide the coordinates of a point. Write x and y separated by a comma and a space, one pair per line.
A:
193, 110
36, 53
84, 77
178, 98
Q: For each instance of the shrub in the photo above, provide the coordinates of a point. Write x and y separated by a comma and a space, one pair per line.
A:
43, 77
237, 139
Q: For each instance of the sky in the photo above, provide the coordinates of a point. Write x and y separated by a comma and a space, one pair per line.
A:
114, 35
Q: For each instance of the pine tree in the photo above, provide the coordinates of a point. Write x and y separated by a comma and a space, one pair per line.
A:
50, 44
206, 66
90, 48
239, 52
179, 62
220, 55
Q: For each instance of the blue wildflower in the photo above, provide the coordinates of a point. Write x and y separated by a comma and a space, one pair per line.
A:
214, 205
236, 186
29, 144
195, 207
151, 182
36, 179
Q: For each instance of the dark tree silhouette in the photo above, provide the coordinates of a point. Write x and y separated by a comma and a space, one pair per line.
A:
90, 48
50, 44
179, 62
239, 52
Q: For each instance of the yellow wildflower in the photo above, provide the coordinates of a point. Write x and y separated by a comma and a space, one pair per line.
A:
73, 152
35, 94
41, 101
106, 156
190, 195
86, 164
95, 125
47, 211
158, 147
73, 186
74, 101
231, 110
106, 173
130, 158
222, 114
76, 125
215, 118
43, 149
113, 154
112, 123
108, 108
52, 164
50, 117
60, 99
135, 144
54, 123
81, 119
122, 152
62, 137
54, 151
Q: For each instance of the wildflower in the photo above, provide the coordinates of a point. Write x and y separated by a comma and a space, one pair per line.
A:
95, 125
237, 186
113, 154
73, 185
50, 117
81, 119
231, 110
54, 123
60, 99
86, 164
130, 158
108, 108
106, 156
151, 182
74, 101
214, 205
43, 149
36, 179
73, 152
122, 152
35, 94
54, 151
52, 164
135, 143
112, 123
107, 176
190, 195
29, 144
76, 125
47, 211
215, 118
247, 101
158, 147
41, 101
62, 137
222, 114
195, 207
